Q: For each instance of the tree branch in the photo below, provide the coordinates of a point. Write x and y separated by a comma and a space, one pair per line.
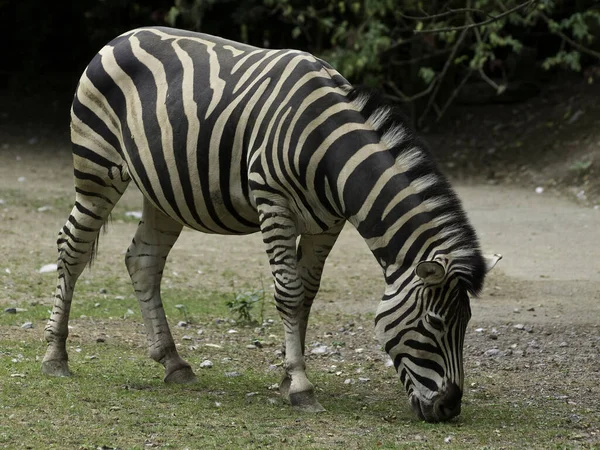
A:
449, 61
567, 39
447, 13
478, 24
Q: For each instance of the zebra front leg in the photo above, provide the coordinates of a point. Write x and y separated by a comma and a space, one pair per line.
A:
279, 235
313, 250
145, 260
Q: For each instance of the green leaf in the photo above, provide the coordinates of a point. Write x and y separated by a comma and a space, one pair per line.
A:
427, 74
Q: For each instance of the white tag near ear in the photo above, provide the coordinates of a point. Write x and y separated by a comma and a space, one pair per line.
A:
491, 261
431, 272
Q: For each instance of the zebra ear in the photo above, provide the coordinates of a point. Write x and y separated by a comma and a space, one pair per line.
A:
491, 261
431, 272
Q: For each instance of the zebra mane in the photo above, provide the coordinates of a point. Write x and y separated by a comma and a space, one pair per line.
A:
415, 158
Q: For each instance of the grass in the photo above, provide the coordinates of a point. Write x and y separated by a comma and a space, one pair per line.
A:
117, 400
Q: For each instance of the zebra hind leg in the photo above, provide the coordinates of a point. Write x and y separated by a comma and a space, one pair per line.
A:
145, 260
97, 191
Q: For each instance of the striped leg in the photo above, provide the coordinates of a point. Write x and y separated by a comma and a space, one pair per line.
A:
313, 250
145, 260
97, 192
279, 235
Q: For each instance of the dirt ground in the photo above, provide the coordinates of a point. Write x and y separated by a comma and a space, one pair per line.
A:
539, 314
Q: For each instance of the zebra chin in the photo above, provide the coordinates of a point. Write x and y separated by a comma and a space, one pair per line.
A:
435, 410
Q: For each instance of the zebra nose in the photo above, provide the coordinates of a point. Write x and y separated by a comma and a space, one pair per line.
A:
448, 405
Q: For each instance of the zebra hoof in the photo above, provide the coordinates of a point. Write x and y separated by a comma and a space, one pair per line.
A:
306, 401
183, 375
303, 401
56, 368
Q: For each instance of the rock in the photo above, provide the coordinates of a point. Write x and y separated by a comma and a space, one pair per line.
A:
206, 364
257, 343
479, 330
100, 340
48, 268
44, 208
348, 381
232, 331
213, 345
11, 310
364, 379
493, 337
531, 309
519, 326
134, 214
232, 374
27, 325
182, 324
321, 349
563, 344
186, 338
492, 352
103, 291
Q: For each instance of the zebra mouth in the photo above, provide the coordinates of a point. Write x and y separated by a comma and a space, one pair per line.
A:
431, 411
423, 410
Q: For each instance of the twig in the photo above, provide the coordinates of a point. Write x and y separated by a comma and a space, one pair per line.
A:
566, 38
449, 61
408, 99
410, 62
478, 24
447, 13
453, 95
482, 73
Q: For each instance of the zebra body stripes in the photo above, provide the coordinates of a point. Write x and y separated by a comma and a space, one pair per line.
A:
226, 138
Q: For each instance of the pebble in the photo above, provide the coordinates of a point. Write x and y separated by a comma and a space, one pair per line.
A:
47, 268
213, 345
251, 346
103, 291
27, 325
232, 331
257, 343
563, 344
364, 379
348, 381
232, 374
186, 338
11, 310
134, 214
321, 349
206, 364
448, 439
493, 337
479, 330
519, 326
182, 324
492, 352
100, 340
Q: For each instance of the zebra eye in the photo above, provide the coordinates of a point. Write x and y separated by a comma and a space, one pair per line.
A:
435, 322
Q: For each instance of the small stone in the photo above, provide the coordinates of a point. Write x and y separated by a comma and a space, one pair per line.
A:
96, 305
516, 311
48, 268
11, 310
206, 364
91, 357
513, 346
493, 337
563, 344
359, 350
539, 190
448, 439
103, 291
100, 340
44, 208
7, 270
257, 343
348, 381
134, 214
218, 404
21, 179
479, 330
519, 326
531, 309
251, 346
232, 331
273, 387
251, 394
27, 325
232, 374
17, 375
364, 379
213, 345
182, 324
492, 352
186, 338
321, 349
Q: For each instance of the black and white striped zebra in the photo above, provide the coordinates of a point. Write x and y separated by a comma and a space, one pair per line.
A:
226, 138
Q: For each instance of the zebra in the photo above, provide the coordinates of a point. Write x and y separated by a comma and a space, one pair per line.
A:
226, 138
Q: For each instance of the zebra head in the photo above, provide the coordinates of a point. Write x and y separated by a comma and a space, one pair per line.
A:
421, 323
